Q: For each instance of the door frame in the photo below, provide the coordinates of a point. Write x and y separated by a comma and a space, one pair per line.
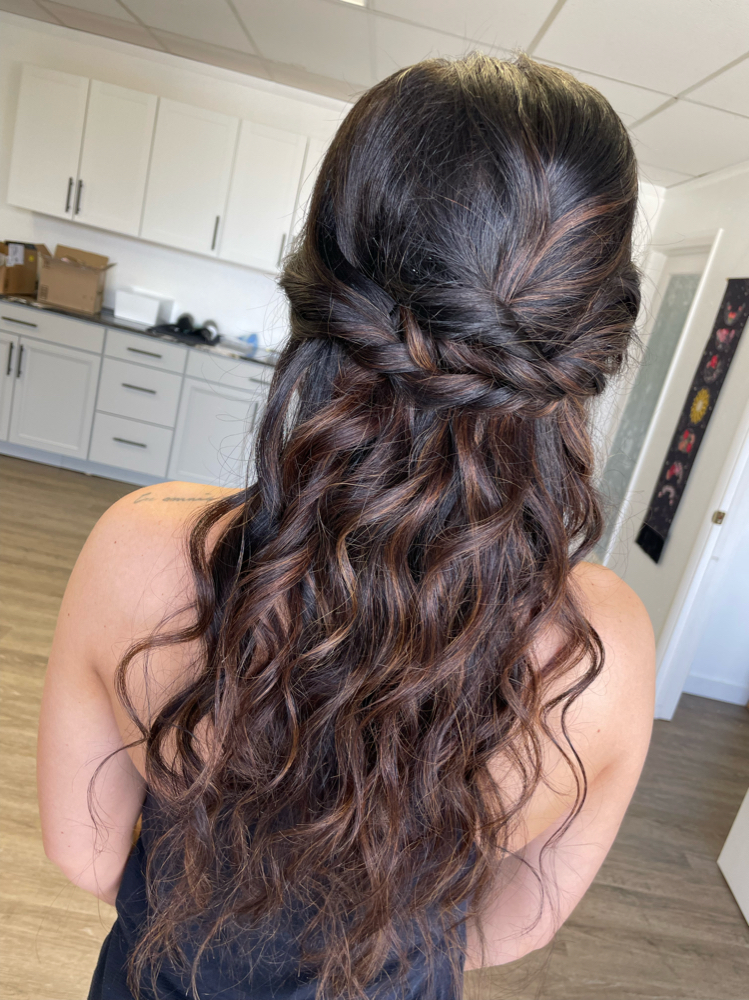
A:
679, 634
692, 244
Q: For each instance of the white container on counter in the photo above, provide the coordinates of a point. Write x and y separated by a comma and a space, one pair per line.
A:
142, 307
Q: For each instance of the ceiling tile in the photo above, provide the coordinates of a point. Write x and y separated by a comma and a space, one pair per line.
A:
729, 91
630, 103
692, 139
27, 8
99, 24
398, 45
109, 8
211, 21
505, 23
330, 39
191, 48
666, 46
660, 176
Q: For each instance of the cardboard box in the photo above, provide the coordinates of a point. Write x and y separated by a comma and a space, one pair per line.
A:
73, 280
19, 266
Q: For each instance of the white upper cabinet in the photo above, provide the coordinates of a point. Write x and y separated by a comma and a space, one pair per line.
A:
47, 141
316, 150
264, 186
188, 181
114, 160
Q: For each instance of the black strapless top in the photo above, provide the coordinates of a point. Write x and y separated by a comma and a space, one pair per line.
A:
254, 972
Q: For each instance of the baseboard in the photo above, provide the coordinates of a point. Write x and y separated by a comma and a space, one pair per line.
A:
708, 687
78, 464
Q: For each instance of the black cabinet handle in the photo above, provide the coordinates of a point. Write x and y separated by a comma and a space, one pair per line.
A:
21, 322
78, 198
137, 444
20, 358
215, 232
151, 354
10, 358
70, 191
140, 388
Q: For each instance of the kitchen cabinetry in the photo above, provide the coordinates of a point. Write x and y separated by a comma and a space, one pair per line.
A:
260, 209
114, 159
213, 435
316, 150
176, 174
53, 397
47, 140
140, 405
189, 175
8, 357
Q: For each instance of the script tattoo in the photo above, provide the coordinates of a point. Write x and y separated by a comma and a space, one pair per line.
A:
148, 498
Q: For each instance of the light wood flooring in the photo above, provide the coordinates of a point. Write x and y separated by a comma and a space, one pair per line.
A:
659, 923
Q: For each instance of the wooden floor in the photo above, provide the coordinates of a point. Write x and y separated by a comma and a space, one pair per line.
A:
659, 922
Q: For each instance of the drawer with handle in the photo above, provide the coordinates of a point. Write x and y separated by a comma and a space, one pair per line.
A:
130, 444
129, 390
50, 326
233, 373
146, 350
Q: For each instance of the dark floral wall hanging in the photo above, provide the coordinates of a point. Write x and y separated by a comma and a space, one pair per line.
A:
690, 430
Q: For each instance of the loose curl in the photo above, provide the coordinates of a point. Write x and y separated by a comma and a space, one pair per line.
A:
367, 620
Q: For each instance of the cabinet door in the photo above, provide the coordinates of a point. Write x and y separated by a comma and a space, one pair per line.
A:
114, 160
189, 176
316, 150
8, 358
213, 435
47, 140
264, 185
53, 397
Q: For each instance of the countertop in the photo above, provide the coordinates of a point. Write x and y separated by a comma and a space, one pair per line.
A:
107, 318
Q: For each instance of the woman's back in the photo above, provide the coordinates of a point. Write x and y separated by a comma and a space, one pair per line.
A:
134, 572
379, 685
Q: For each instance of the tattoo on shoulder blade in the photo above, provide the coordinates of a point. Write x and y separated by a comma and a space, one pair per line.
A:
147, 497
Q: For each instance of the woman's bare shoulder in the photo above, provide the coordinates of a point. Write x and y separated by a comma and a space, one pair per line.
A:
133, 569
614, 714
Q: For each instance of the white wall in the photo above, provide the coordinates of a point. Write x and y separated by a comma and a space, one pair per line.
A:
240, 299
700, 210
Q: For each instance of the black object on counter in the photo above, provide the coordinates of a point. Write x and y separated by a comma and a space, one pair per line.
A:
186, 331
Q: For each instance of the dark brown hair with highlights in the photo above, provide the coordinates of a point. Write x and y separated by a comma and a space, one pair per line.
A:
366, 622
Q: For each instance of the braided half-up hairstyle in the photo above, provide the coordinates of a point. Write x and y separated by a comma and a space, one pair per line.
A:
423, 486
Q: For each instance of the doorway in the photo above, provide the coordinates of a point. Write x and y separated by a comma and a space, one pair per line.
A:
675, 292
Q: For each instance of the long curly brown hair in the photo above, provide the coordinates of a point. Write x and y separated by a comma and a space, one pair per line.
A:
366, 622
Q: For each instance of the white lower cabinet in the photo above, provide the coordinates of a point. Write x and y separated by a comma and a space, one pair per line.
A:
213, 436
130, 444
53, 397
8, 358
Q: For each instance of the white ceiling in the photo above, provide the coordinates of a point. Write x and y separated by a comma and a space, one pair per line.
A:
677, 71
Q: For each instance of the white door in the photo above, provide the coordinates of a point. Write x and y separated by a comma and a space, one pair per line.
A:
114, 160
264, 185
734, 858
213, 435
53, 397
8, 358
719, 666
47, 141
188, 179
